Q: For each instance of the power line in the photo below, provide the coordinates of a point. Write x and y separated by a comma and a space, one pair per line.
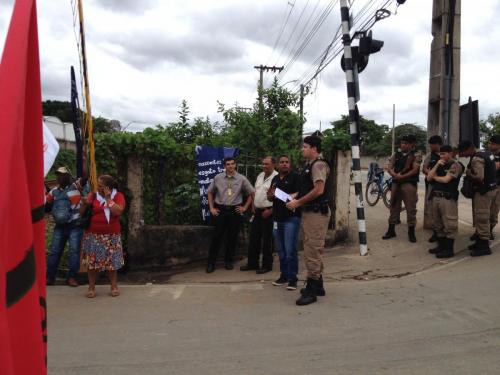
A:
293, 32
282, 29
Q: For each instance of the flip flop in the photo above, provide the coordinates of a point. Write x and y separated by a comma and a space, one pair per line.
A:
115, 293
90, 294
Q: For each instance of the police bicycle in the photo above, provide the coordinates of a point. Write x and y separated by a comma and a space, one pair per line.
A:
377, 187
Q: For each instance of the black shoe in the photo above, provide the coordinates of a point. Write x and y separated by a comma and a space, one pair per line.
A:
411, 234
439, 246
482, 248
434, 237
228, 266
473, 246
210, 267
292, 285
474, 237
391, 232
447, 251
247, 267
262, 270
320, 290
281, 281
309, 295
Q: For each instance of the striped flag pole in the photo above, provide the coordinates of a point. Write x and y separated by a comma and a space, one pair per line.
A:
354, 117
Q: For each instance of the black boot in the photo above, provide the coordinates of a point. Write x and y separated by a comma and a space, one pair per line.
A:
439, 247
320, 290
391, 232
411, 234
492, 236
447, 251
474, 245
434, 237
474, 237
210, 267
309, 295
482, 248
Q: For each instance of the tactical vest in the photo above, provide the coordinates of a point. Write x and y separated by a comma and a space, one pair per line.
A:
433, 160
497, 160
452, 186
307, 184
399, 166
490, 171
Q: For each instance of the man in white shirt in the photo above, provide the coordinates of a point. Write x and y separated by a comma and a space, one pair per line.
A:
261, 230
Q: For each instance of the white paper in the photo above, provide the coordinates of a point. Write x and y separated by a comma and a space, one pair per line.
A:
50, 149
282, 196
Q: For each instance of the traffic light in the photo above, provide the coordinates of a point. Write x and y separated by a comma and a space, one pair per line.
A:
361, 54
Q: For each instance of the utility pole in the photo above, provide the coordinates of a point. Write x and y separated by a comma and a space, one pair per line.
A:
444, 83
301, 109
261, 69
393, 126
350, 66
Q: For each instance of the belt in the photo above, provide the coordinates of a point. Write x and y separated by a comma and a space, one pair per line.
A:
258, 209
442, 194
225, 207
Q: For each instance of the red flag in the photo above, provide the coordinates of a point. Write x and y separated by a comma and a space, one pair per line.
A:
22, 229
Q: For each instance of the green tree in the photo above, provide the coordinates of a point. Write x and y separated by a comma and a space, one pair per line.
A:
275, 130
371, 135
406, 129
489, 127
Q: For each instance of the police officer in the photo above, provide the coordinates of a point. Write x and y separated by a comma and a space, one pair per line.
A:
435, 142
314, 199
482, 171
445, 177
404, 167
494, 148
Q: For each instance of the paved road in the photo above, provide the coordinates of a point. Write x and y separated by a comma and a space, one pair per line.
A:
442, 321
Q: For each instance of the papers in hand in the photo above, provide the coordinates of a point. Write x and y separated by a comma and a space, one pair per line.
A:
282, 196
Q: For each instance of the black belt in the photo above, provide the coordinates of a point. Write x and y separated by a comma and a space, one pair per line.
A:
262, 209
225, 207
443, 194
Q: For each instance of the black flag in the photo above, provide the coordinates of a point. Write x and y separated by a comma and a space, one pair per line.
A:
77, 127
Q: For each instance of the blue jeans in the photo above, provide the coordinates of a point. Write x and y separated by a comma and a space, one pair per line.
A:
286, 234
65, 233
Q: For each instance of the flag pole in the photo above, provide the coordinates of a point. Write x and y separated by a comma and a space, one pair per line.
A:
88, 122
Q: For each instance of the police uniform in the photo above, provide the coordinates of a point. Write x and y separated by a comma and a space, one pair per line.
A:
495, 204
429, 162
444, 198
315, 215
483, 166
404, 190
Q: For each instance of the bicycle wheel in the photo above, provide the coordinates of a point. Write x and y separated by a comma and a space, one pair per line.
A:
386, 197
372, 193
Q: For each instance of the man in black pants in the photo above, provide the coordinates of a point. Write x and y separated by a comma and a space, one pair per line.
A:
261, 230
225, 199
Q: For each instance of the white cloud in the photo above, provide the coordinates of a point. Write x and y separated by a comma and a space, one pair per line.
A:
144, 57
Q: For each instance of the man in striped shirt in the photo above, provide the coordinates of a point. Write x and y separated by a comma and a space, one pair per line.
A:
64, 203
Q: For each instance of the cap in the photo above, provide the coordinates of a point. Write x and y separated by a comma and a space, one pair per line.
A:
446, 148
465, 145
495, 139
63, 170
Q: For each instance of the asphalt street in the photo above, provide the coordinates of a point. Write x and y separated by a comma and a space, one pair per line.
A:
445, 320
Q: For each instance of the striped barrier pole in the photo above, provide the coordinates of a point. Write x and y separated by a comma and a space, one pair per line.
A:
354, 118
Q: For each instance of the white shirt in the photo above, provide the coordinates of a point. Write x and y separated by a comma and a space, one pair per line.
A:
262, 185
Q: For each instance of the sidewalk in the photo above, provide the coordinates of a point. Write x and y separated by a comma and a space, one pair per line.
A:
386, 259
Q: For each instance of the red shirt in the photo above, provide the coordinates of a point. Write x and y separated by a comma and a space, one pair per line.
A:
99, 224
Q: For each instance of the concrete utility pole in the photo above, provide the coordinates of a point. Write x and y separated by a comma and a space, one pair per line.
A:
350, 66
261, 69
444, 85
393, 126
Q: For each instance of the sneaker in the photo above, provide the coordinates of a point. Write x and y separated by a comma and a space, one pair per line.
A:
292, 285
280, 282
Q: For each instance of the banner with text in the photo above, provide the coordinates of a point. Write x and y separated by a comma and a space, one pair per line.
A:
209, 162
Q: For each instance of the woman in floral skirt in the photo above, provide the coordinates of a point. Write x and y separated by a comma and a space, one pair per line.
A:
101, 245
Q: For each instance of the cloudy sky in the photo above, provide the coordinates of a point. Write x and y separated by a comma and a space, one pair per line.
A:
145, 56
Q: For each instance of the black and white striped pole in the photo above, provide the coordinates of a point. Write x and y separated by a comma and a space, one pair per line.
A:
351, 78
